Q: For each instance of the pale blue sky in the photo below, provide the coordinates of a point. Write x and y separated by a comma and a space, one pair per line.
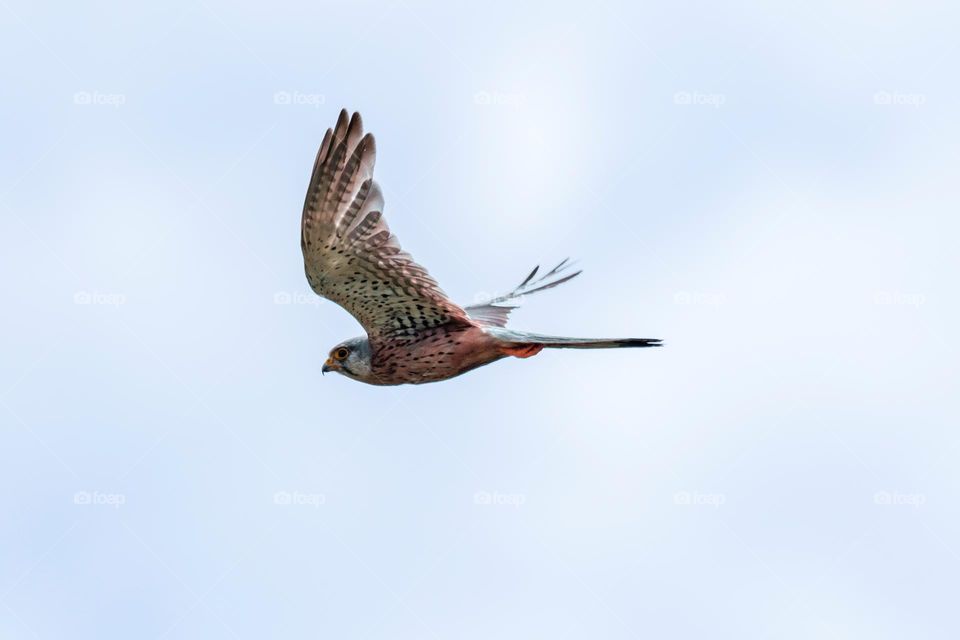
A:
772, 190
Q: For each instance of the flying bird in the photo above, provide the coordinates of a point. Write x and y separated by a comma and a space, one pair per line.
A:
415, 333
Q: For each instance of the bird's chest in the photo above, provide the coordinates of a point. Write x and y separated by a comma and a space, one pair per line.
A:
437, 354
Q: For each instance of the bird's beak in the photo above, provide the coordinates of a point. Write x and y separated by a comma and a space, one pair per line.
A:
326, 366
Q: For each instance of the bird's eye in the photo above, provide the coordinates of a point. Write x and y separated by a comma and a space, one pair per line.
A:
341, 353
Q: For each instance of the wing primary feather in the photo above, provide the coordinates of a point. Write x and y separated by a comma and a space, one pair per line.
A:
495, 312
324, 149
340, 130
528, 278
557, 268
365, 227
353, 170
354, 208
355, 130
554, 283
368, 199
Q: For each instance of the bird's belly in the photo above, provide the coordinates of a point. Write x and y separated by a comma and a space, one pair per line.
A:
436, 357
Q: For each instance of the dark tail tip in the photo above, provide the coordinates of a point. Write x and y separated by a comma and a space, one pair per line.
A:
640, 342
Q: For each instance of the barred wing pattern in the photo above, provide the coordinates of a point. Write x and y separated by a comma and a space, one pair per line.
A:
351, 257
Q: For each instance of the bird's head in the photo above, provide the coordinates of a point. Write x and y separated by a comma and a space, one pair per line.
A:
350, 358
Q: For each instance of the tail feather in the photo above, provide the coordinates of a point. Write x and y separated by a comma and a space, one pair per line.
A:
588, 343
514, 339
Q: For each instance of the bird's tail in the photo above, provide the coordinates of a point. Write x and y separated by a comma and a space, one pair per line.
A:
524, 345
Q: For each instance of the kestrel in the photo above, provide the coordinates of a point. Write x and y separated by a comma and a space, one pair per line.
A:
415, 333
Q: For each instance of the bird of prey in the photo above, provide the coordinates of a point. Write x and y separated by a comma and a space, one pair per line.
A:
415, 333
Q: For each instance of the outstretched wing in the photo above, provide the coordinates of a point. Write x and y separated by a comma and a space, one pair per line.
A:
350, 256
496, 312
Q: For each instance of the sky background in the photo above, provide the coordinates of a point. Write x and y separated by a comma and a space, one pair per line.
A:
772, 190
